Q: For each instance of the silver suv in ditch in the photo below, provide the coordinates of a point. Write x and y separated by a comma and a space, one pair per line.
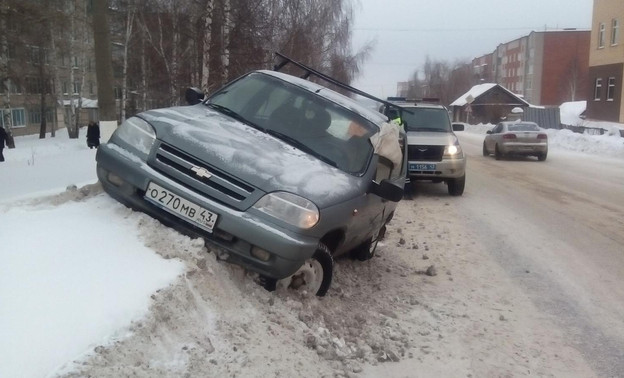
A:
433, 151
280, 173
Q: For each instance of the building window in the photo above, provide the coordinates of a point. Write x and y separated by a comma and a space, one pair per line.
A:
14, 87
18, 117
34, 116
615, 31
598, 89
77, 87
601, 35
610, 89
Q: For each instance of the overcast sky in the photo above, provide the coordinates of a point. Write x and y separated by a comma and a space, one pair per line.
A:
406, 31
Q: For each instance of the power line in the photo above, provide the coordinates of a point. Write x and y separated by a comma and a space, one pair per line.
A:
459, 29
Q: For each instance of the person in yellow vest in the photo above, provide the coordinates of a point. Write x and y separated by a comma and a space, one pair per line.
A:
394, 117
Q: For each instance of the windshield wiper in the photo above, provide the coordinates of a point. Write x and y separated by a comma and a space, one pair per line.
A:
295, 143
227, 111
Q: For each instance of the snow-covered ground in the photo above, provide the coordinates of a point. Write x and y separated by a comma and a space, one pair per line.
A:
80, 274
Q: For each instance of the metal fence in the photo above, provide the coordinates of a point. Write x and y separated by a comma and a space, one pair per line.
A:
547, 118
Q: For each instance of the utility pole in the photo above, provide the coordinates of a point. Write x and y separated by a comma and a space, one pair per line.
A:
104, 69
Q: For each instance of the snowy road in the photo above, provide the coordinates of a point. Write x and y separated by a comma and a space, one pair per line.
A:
557, 228
522, 276
528, 281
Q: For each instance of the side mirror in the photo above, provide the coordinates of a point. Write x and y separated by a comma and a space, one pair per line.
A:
193, 95
387, 190
489, 132
458, 127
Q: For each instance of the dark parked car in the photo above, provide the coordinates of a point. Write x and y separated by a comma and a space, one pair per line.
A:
516, 138
279, 172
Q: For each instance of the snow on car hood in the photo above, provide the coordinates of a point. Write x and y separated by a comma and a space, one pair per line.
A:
250, 154
430, 138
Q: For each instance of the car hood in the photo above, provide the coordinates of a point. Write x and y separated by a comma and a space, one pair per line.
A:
430, 138
251, 155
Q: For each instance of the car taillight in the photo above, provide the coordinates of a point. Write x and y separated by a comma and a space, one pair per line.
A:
542, 136
509, 136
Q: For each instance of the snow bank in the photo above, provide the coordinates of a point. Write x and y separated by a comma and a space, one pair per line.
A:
66, 285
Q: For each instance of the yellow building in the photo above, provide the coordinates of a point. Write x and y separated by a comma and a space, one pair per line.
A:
606, 62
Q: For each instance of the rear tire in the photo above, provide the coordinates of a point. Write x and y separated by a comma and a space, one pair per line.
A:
366, 250
497, 154
456, 186
485, 151
542, 156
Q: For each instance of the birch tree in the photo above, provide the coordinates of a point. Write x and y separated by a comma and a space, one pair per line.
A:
5, 77
206, 42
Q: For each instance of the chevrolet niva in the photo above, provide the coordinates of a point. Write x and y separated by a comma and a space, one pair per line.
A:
279, 173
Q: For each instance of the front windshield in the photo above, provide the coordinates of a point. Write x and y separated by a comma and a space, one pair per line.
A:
426, 119
307, 121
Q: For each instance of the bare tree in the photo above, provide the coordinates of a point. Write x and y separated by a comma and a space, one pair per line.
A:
5, 76
130, 13
206, 41
103, 68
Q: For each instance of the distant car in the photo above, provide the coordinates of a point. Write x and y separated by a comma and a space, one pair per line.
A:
433, 151
516, 138
277, 171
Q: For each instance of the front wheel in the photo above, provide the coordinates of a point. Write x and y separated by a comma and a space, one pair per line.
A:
456, 185
314, 276
485, 151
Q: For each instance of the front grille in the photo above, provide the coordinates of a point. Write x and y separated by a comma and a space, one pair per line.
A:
424, 153
217, 185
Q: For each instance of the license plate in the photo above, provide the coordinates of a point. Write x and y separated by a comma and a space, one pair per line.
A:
179, 206
422, 167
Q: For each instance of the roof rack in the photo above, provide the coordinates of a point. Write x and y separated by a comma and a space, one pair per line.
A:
308, 71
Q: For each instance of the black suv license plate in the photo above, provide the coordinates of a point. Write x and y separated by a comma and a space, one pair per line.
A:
422, 167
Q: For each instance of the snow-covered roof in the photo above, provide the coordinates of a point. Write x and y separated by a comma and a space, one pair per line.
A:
85, 103
479, 90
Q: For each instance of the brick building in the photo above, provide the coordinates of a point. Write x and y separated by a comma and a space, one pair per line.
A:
545, 68
606, 62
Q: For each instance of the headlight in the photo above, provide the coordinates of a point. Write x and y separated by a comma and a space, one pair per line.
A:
289, 208
453, 151
138, 134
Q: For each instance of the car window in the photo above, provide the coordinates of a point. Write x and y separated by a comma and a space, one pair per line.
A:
523, 127
302, 118
426, 119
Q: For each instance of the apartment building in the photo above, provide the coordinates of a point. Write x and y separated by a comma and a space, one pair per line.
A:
545, 67
46, 71
606, 62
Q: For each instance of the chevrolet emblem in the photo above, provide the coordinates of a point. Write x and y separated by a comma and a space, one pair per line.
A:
201, 172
